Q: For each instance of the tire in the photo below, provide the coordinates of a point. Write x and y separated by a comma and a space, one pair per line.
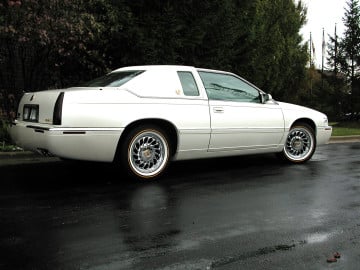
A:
300, 144
145, 152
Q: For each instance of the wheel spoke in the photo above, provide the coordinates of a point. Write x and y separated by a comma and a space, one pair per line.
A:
148, 153
299, 144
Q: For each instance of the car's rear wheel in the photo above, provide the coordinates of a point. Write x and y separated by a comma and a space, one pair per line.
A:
300, 144
146, 152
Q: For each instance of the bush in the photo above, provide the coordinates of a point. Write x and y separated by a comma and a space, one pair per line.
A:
4, 132
6, 144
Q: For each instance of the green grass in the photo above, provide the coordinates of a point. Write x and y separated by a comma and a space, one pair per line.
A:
345, 128
8, 147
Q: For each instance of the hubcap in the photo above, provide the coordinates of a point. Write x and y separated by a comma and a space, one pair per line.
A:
148, 153
299, 144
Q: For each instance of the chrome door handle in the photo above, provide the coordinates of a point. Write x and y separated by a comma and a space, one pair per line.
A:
218, 109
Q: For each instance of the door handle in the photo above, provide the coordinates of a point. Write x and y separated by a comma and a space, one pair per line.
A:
218, 109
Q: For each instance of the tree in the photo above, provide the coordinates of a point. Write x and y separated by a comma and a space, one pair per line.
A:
56, 43
350, 51
334, 58
276, 57
337, 81
52, 43
199, 33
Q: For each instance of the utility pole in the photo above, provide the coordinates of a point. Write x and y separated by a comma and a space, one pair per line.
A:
310, 65
322, 59
323, 51
335, 58
310, 49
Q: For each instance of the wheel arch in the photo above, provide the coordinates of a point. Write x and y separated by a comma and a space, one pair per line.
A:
168, 127
307, 121
293, 157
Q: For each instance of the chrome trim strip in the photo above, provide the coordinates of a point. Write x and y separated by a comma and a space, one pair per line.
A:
71, 129
248, 130
37, 127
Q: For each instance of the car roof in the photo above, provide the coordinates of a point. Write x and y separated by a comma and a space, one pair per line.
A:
167, 67
155, 67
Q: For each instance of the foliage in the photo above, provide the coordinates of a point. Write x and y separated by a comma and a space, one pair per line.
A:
52, 43
58, 43
277, 58
8, 105
325, 92
200, 33
259, 40
334, 58
350, 44
344, 56
4, 132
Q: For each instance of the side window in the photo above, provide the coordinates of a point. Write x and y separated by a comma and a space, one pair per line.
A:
220, 86
188, 83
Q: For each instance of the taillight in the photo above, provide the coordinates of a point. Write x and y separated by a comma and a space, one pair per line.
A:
31, 113
58, 109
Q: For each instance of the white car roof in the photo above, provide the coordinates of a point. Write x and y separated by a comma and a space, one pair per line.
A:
155, 67
167, 67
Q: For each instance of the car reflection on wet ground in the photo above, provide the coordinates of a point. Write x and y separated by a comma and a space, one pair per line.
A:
233, 213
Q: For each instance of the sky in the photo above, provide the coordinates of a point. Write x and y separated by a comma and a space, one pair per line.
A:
323, 14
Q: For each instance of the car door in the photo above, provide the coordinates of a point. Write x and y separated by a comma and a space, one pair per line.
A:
239, 118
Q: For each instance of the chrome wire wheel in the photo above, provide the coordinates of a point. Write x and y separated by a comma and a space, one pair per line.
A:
148, 153
300, 144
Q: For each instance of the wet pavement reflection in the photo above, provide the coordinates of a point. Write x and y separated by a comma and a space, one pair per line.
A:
232, 213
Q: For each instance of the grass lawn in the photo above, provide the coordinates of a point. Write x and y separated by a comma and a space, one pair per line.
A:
345, 128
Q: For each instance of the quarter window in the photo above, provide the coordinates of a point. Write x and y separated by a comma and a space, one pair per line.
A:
188, 83
220, 86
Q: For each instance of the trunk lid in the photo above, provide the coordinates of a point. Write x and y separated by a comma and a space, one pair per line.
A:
38, 107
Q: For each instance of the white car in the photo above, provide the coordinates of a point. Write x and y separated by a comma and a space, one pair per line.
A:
143, 117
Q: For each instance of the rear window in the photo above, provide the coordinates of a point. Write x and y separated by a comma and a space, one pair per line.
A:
114, 79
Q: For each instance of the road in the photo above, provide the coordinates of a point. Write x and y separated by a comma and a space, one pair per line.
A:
234, 213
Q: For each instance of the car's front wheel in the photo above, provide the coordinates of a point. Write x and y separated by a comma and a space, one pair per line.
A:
145, 152
300, 144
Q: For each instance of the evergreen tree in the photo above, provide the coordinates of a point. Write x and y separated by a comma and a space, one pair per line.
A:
58, 43
334, 54
350, 50
336, 60
276, 58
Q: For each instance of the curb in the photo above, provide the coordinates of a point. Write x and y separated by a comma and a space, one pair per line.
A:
343, 139
17, 154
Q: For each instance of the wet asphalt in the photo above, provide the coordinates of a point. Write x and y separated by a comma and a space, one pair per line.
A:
232, 213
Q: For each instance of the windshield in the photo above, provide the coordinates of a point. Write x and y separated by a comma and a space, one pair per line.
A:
114, 79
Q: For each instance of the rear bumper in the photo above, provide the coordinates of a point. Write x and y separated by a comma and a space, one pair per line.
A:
93, 144
323, 135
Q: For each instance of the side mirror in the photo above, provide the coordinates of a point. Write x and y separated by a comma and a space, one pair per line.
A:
265, 97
